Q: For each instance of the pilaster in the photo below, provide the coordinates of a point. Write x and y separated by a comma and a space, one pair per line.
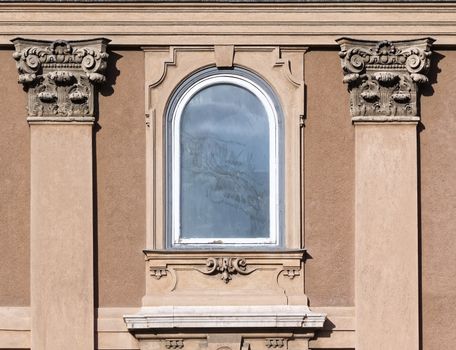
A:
59, 79
383, 80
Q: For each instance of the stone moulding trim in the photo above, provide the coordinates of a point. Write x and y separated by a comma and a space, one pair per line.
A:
224, 263
59, 77
230, 1
384, 77
184, 255
262, 316
170, 23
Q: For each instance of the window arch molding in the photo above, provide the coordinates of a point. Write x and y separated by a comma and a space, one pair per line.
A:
192, 87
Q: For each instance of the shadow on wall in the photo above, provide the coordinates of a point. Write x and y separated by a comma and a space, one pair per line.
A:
427, 90
106, 89
326, 332
434, 70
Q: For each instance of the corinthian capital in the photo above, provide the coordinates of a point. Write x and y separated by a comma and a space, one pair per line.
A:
59, 77
383, 77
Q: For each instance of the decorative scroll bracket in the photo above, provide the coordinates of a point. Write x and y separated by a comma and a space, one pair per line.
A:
59, 77
384, 77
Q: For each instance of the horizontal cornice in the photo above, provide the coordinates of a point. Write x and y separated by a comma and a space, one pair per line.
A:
239, 24
230, 1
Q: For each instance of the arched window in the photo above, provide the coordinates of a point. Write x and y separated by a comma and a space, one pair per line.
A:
224, 161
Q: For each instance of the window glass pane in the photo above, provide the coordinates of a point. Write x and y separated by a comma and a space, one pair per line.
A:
224, 150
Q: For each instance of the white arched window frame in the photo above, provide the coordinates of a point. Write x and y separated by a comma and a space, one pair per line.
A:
273, 114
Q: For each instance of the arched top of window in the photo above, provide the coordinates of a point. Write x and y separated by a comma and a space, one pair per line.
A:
223, 161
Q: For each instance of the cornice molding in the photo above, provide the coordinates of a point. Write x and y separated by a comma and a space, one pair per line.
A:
59, 78
177, 24
231, 1
234, 317
384, 77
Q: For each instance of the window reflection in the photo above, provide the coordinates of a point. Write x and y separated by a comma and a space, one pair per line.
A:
224, 175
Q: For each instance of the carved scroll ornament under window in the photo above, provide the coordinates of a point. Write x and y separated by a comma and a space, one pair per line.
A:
59, 77
226, 267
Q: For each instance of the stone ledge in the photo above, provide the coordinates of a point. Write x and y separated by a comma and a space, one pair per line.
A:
232, 1
263, 316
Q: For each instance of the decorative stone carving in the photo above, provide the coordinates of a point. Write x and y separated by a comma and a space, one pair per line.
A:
275, 343
174, 344
158, 272
291, 272
226, 267
59, 77
255, 277
383, 77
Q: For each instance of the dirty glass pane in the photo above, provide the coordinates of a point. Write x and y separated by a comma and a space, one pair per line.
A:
224, 165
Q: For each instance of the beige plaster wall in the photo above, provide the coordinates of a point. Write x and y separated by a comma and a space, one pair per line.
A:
14, 188
438, 205
120, 169
329, 186
329, 183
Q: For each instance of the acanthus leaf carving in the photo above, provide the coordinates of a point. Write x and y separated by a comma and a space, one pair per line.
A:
383, 77
59, 77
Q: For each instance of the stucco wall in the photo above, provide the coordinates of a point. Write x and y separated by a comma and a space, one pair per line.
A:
438, 205
120, 167
120, 172
329, 183
14, 188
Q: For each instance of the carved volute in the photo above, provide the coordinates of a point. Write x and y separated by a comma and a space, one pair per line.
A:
384, 77
59, 77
